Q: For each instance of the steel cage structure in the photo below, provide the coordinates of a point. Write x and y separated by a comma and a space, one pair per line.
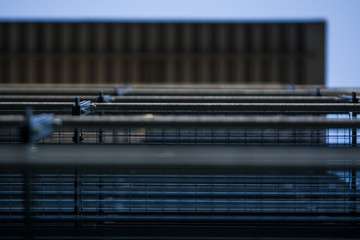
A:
157, 162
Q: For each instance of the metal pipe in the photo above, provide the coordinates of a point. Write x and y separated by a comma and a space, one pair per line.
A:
181, 156
227, 107
212, 108
225, 122
178, 99
234, 92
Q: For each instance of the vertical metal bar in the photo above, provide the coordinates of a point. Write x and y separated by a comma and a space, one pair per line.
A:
101, 198
77, 136
100, 135
114, 136
100, 130
353, 189
77, 189
354, 132
27, 203
353, 169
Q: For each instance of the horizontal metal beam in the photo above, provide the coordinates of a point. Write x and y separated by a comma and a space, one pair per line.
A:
227, 107
177, 91
209, 108
177, 99
179, 156
234, 92
224, 122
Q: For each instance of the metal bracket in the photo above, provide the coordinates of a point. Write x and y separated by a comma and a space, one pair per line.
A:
78, 137
290, 87
315, 92
81, 108
103, 98
127, 86
354, 98
349, 99
36, 127
119, 91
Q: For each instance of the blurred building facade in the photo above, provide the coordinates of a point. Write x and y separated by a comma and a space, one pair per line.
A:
162, 52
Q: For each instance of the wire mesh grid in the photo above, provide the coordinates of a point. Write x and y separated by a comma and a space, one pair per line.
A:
244, 136
105, 197
73, 198
196, 136
192, 136
342, 136
224, 136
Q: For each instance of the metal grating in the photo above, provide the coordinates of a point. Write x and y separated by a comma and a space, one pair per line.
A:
195, 136
56, 193
118, 196
226, 131
250, 170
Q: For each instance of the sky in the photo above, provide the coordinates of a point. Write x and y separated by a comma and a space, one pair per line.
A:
342, 17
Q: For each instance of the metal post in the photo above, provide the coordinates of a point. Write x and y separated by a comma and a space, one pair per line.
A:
77, 208
27, 204
77, 136
353, 169
100, 130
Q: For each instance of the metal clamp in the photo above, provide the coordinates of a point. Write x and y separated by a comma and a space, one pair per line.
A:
315, 92
37, 127
81, 108
102, 98
290, 87
119, 91
349, 99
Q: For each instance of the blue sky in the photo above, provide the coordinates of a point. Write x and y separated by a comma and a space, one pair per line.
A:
342, 16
